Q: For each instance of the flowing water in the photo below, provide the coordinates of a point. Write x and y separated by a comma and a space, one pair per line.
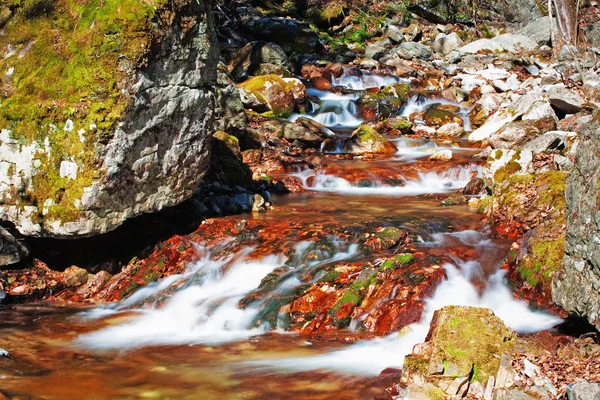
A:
188, 337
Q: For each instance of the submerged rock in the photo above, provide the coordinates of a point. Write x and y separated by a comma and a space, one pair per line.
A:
117, 125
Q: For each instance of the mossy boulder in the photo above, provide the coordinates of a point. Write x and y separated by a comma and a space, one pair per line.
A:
384, 103
365, 139
105, 111
463, 342
273, 91
326, 14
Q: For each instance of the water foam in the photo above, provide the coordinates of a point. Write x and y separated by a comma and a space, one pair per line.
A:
372, 356
427, 183
202, 305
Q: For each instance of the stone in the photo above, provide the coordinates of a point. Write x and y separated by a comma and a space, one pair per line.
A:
383, 103
533, 106
508, 42
412, 50
445, 44
229, 108
292, 35
451, 130
394, 33
567, 53
503, 163
530, 369
11, 250
538, 30
75, 276
365, 139
576, 286
463, 343
514, 134
583, 391
441, 155
249, 59
273, 91
476, 186
559, 141
146, 133
377, 50
565, 100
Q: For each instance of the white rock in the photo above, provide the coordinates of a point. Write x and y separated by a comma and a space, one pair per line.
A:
445, 44
69, 126
500, 158
530, 106
494, 73
452, 130
442, 155
68, 169
530, 369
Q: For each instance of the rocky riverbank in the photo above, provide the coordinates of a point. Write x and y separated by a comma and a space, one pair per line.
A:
325, 168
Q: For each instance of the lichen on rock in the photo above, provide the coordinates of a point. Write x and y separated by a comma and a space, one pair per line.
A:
115, 92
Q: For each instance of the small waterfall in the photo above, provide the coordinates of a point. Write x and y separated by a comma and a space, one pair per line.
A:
420, 102
427, 183
364, 80
203, 304
334, 110
372, 356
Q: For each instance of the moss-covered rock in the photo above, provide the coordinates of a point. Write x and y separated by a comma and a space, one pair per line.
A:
365, 139
104, 110
273, 91
384, 103
463, 342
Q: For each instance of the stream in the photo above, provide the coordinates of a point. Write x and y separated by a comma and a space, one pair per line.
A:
188, 337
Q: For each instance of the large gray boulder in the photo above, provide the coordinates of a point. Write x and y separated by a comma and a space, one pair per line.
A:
576, 287
79, 159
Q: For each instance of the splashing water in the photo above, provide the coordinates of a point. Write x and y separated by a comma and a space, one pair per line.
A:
427, 183
202, 305
371, 357
366, 80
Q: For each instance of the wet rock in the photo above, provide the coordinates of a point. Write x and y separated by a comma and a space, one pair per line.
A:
476, 186
576, 287
438, 115
75, 276
452, 130
583, 391
99, 280
412, 50
565, 100
365, 139
320, 83
385, 102
445, 44
442, 155
272, 91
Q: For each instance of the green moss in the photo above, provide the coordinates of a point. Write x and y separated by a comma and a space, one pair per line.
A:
471, 340
416, 365
330, 276
271, 89
354, 294
71, 60
399, 261
402, 125
544, 258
